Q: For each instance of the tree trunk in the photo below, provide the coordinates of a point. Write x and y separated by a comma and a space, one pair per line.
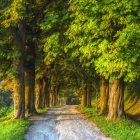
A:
116, 100
96, 100
32, 93
29, 65
19, 87
82, 100
104, 93
39, 93
89, 95
29, 93
43, 95
19, 91
46, 91
54, 99
84, 97
51, 99
56, 95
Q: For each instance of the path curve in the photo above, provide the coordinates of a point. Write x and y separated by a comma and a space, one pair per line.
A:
63, 123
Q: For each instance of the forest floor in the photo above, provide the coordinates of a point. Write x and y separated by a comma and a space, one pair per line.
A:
63, 123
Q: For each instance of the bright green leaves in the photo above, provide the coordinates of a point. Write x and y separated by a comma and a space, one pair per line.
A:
51, 47
53, 28
49, 21
107, 31
91, 34
53, 20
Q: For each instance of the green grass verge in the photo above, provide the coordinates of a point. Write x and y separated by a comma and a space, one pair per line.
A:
40, 111
43, 110
119, 129
5, 113
13, 129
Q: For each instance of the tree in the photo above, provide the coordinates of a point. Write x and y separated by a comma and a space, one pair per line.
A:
106, 33
104, 94
33, 9
18, 17
14, 21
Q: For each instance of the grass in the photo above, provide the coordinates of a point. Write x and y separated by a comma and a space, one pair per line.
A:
13, 129
119, 129
5, 113
40, 111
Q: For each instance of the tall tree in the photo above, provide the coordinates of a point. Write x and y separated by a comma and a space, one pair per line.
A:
104, 95
104, 32
14, 21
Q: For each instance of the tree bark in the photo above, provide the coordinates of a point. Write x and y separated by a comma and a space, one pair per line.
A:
84, 97
39, 93
116, 99
29, 65
104, 93
51, 99
56, 94
19, 91
19, 87
27, 93
30, 93
96, 100
89, 95
46, 91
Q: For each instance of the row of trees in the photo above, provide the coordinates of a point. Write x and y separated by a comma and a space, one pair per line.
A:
47, 46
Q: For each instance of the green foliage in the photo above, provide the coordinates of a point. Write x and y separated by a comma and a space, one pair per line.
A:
5, 99
53, 26
13, 130
118, 129
106, 34
6, 105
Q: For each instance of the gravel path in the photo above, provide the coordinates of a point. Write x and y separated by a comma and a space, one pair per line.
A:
63, 123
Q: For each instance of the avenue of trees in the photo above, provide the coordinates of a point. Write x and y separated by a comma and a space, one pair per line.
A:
49, 48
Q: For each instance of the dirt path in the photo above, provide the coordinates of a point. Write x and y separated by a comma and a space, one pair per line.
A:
64, 123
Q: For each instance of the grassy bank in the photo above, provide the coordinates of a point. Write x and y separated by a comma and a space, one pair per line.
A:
14, 129
6, 113
119, 129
